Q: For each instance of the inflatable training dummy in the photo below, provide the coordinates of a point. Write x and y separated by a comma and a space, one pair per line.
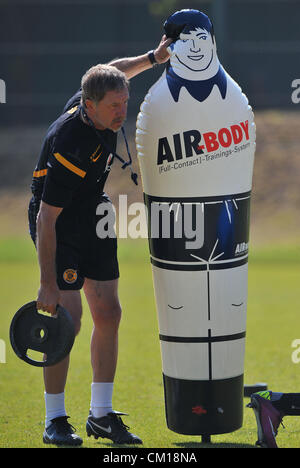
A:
195, 142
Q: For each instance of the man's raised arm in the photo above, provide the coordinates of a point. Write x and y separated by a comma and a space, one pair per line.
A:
132, 66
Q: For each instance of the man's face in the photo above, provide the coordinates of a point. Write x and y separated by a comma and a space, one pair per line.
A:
111, 111
195, 50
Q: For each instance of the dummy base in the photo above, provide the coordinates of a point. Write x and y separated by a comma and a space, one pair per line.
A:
200, 407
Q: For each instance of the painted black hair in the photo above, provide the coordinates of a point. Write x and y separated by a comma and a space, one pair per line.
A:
186, 21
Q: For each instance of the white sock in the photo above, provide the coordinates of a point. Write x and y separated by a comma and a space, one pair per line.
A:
55, 406
101, 398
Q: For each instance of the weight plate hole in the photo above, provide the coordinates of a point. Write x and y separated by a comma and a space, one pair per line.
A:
39, 334
35, 355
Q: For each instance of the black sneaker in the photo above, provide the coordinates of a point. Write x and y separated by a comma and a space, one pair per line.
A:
111, 427
60, 432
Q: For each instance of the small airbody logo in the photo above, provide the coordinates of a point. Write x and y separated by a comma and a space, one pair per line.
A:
241, 248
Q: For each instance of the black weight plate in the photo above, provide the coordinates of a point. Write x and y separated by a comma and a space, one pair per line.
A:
258, 387
51, 335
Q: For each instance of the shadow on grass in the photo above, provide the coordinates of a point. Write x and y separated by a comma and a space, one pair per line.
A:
211, 445
179, 445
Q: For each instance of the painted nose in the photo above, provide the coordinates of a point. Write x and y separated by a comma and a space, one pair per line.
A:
195, 46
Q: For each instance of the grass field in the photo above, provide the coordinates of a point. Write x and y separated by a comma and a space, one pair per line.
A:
273, 324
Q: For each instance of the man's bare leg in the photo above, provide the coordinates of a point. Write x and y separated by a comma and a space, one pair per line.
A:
55, 376
102, 297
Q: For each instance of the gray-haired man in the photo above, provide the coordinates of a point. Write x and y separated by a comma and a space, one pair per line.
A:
67, 186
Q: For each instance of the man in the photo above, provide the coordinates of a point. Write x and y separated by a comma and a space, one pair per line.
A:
68, 184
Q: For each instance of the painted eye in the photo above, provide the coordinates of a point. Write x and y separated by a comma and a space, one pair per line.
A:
175, 308
184, 40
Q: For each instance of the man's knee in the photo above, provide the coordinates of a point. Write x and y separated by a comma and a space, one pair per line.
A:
107, 314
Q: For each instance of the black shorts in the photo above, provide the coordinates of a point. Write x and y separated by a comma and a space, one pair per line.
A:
80, 252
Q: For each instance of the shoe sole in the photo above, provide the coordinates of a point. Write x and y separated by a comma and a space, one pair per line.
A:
51, 442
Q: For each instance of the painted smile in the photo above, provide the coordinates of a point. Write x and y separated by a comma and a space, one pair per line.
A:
195, 57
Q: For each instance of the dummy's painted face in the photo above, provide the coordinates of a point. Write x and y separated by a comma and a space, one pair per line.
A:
195, 50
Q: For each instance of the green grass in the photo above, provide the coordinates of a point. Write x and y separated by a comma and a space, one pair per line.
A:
273, 323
